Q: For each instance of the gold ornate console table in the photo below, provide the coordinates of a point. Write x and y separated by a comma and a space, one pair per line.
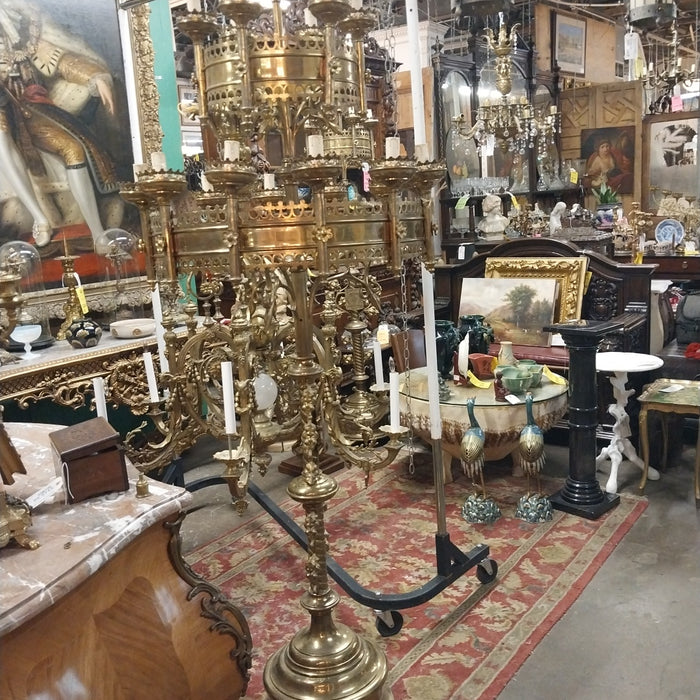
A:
64, 374
106, 600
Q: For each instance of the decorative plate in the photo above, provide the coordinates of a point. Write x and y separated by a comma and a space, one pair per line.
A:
670, 231
133, 328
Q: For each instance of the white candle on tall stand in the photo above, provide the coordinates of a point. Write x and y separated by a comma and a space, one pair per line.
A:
160, 331
422, 154
232, 150
378, 368
394, 423
158, 161
431, 354
98, 387
229, 398
269, 181
138, 169
206, 185
392, 147
194, 5
314, 145
153, 395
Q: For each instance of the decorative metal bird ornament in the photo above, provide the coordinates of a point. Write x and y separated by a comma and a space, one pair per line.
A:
531, 444
534, 508
477, 508
472, 448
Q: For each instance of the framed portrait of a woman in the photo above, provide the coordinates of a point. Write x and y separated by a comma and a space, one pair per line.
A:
609, 157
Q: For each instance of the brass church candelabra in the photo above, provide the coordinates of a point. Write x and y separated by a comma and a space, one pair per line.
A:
301, 271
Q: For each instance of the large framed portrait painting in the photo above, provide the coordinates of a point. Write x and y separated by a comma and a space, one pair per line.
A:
609, 156
65, 140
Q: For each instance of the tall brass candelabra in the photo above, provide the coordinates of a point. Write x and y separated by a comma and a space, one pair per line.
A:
300, 272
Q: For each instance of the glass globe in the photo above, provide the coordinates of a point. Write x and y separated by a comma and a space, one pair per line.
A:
265, 388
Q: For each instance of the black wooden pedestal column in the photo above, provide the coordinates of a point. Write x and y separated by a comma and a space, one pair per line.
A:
582, 494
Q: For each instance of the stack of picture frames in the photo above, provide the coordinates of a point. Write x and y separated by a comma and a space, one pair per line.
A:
520, 296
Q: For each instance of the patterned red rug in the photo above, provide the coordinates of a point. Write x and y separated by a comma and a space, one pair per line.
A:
466, 642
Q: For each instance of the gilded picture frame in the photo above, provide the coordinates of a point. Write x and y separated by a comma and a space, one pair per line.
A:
570, 273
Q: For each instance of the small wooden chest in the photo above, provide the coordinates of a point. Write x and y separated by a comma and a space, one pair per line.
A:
90, 458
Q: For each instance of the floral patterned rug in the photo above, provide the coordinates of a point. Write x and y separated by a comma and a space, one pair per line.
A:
464, 643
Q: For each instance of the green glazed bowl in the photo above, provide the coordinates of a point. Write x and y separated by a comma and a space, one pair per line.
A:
516, 385
515, 379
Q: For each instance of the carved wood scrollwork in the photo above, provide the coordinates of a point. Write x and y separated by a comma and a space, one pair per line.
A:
600, 301
226, 618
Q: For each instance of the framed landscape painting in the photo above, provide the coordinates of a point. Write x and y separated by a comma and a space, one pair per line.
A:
569, 42
516, 308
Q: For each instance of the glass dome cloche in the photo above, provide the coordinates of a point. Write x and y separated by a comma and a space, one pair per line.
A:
121, 250
23, 259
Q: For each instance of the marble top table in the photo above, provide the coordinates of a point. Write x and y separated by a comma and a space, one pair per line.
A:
501, 422
75, 540
618, 365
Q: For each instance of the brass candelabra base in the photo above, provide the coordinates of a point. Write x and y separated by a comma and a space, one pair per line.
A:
326, 659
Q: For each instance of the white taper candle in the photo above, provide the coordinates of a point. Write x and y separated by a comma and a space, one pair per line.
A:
153, 395
378, 368
160, 331
158, 161
394, 423
229, 398
98, 387
232, 150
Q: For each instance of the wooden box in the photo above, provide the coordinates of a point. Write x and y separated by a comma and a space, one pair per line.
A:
90, 458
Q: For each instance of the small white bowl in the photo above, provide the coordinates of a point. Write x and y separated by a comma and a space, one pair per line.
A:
133, 328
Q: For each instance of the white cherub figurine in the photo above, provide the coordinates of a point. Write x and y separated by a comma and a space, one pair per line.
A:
555, 218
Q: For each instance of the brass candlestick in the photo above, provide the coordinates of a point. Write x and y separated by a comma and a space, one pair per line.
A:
73, 309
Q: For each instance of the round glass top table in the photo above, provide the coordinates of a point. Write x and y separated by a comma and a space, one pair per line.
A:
501, 422
618, 365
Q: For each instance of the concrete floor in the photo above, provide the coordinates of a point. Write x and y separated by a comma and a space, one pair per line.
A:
634, 633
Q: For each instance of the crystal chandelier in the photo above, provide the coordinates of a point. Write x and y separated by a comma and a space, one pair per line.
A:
512, 121
664, 81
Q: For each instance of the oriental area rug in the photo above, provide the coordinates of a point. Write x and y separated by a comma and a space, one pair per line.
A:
464, 643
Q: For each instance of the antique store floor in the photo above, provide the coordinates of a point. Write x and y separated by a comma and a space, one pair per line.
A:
634, 632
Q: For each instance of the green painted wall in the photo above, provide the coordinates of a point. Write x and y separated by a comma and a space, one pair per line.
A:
164, 67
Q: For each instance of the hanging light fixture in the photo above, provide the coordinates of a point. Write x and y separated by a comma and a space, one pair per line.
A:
663, 81
646, 14
513, 121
